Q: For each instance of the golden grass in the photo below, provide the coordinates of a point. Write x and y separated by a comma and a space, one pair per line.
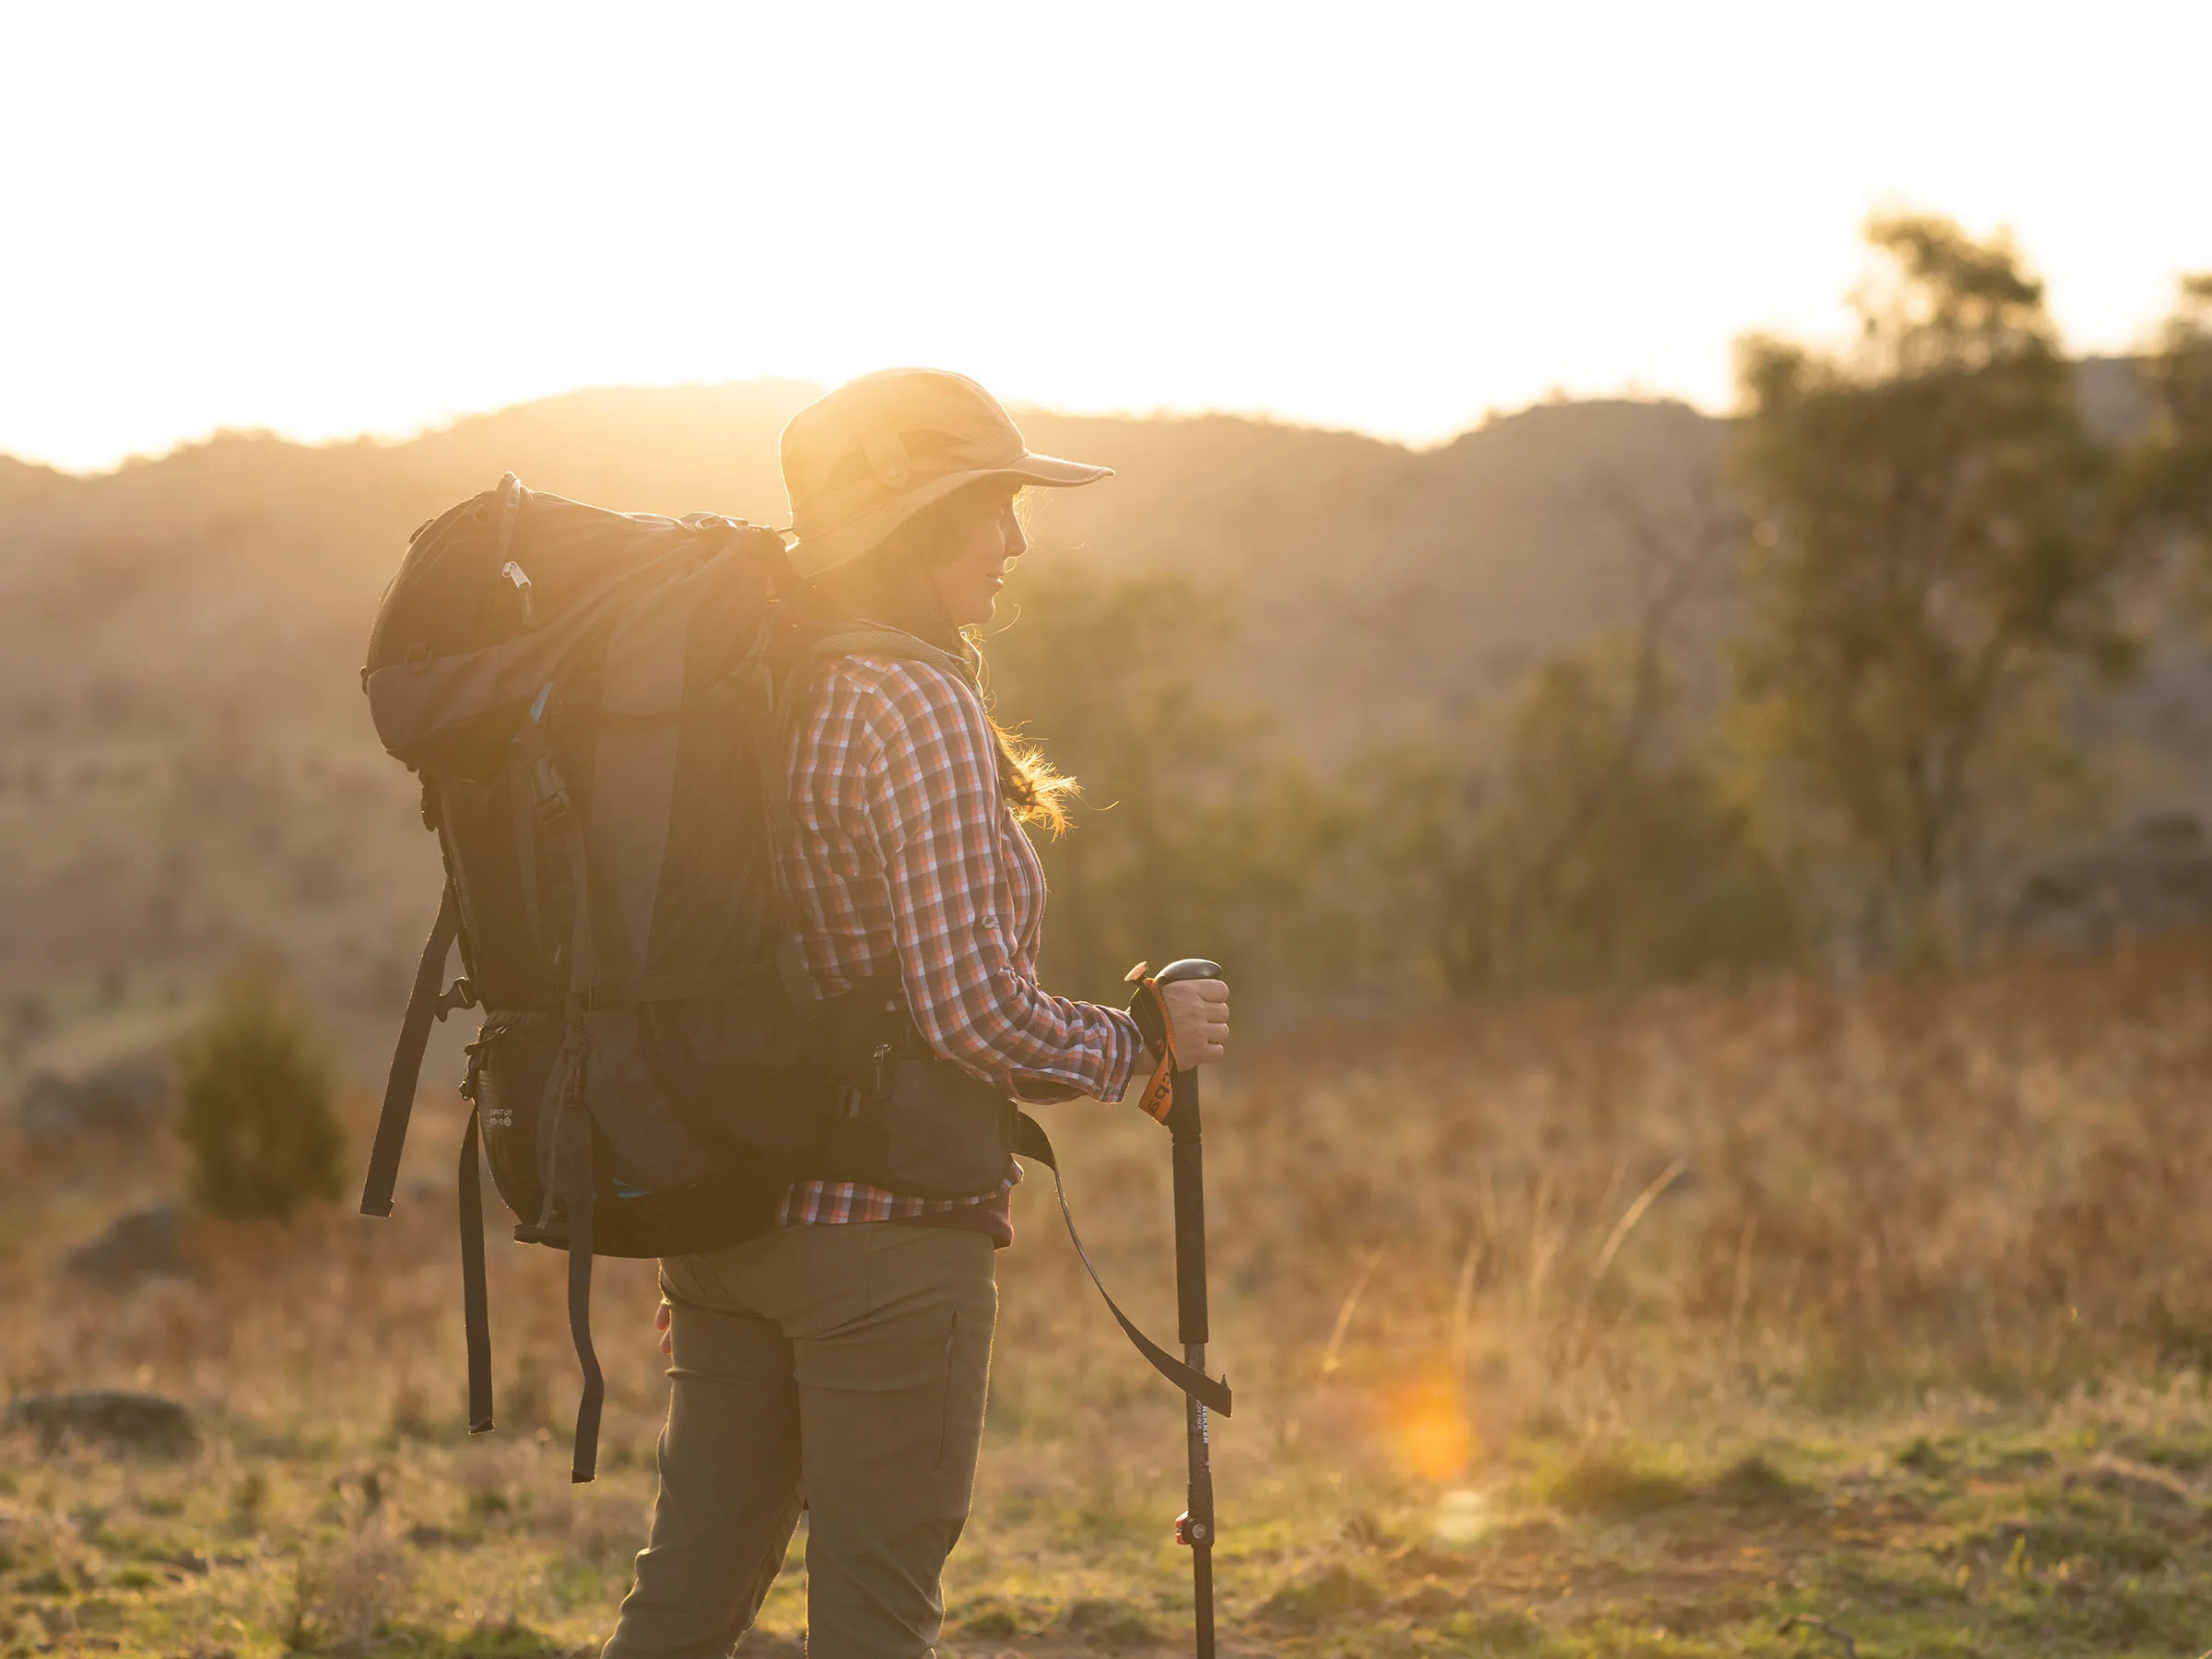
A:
1458, 1266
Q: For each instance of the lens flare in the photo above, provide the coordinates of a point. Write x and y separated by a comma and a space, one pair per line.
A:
1462, 1517
1429, 1430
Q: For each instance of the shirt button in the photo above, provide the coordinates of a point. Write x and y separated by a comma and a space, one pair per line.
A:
990, 921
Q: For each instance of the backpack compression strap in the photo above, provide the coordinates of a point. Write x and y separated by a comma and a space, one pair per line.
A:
425, 1003
1031, 1142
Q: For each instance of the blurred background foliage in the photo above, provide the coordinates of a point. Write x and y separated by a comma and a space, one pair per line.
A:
1900, 667
1888, 669
1924, 568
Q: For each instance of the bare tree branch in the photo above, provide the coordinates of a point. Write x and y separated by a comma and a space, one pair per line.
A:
1678, 556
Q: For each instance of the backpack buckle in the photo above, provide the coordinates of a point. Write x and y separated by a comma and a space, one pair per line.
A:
550, 794
844, 1103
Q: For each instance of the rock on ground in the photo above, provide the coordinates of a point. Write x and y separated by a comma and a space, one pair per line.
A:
147, 1243
112, 1101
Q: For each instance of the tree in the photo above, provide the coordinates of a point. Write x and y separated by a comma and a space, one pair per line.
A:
1936, 555
2172, 477
1585, 838
255, 1107
1595, 848
1096, 668
1196, 833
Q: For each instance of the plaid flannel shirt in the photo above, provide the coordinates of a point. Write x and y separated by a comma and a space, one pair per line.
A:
907, 858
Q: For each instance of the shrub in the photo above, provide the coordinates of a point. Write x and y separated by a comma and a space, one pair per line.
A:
254, 1091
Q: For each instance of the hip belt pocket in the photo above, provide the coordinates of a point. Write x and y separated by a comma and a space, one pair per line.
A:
508, 1065
904, 1119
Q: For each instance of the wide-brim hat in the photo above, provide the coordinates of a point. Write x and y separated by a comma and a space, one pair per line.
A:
865, 458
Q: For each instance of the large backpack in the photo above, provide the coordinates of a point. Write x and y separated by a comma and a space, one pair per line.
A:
594, 701
588, 699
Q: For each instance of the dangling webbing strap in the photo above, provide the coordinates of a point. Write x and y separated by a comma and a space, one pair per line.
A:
425, 1003
1030, 1141
476, 1319
576, 1163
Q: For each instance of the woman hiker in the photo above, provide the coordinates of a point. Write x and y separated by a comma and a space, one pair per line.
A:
840, 1359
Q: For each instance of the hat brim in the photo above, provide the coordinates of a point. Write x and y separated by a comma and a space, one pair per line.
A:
1054, 473
817, 555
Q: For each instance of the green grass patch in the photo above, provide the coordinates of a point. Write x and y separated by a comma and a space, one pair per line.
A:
1613, 1486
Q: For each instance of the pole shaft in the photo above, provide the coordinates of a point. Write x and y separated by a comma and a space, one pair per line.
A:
1190, 1313
1198, 1504
1190, 1237
1202, 1580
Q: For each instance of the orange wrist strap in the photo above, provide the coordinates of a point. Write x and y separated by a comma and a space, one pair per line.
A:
1158, 1098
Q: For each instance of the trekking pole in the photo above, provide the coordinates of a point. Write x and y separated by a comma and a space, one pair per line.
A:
1194, 1526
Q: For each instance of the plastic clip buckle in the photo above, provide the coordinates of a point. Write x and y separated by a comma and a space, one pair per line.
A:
461, 995
550, 796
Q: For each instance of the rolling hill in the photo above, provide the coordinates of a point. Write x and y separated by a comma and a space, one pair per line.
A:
186, 764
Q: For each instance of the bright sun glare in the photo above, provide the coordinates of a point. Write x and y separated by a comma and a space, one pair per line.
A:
331, 218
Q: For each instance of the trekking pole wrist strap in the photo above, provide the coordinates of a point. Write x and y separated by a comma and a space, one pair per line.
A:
1031, 1142
1149, 1009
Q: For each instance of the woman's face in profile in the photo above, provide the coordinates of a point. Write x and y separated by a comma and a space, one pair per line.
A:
980, 547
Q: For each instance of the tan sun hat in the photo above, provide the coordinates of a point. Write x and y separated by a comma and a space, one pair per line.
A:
864, 459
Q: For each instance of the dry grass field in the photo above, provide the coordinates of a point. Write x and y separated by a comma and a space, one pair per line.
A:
1570, 1329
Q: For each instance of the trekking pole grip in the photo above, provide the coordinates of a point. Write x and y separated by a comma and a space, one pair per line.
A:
1184, 1127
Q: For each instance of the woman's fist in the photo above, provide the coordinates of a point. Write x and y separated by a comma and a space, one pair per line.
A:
1197, 1013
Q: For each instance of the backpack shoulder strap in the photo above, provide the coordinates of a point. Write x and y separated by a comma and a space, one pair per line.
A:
854, 639
777, 709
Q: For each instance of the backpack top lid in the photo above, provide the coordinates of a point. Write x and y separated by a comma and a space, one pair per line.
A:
511, 560
493, 594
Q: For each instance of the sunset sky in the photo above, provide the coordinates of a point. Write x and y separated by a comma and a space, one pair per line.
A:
334, 218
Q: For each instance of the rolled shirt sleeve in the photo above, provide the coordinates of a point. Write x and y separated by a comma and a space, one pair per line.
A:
936, 819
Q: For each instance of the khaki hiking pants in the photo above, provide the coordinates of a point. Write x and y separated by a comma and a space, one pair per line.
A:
845, 1365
